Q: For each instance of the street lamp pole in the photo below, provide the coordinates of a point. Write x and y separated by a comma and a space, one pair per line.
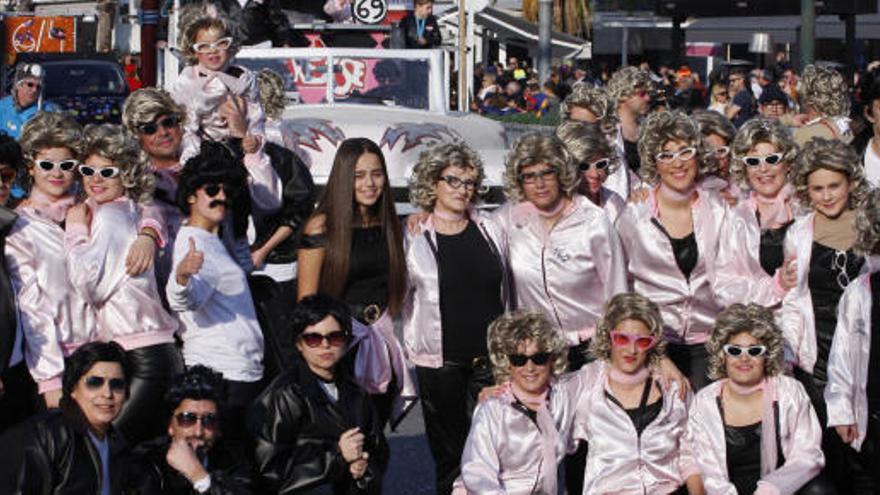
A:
808, 32
545, 20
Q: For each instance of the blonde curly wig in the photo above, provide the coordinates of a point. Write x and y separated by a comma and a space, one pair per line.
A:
594, 99
271, 93
833, 155
714, 123
824, 91
510, 330
587, 142
50, 130
533, 149
628, 306
761, 130
432, 162
113, 143
758, 322
662, 127
196, 17
868, 224
626, 81
146, 104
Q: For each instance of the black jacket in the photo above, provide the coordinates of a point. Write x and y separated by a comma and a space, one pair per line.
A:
411, 32
7, 298
52, 454
296, 430
297, 203
229, 475
259, 21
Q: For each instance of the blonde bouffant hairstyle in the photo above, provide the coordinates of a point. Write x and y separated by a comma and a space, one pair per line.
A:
510, 330
113, 143
758, 322
196, 17
761, 130
823, 90
145, 104
662, 127
586, 141
50, 130
271, 93
626, 81
868, 224
629, 306
432, 162
533, 149
594, 99
833, 155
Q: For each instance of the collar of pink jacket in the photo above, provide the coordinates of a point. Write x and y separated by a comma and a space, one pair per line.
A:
54, 209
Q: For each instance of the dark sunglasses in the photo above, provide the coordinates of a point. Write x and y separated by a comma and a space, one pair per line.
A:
519, 360
212, 190
189, 419
64, 165
335, 339
7, 175
168, 122
97, 382
105, 172
600, 164
30, 84
754, 351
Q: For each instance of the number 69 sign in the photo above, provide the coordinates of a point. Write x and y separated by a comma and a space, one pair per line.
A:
369, 11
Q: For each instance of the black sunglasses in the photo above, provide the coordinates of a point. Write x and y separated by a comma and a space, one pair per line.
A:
314, 339
168, 122
189, 419
539, 359
96, 382
212, 190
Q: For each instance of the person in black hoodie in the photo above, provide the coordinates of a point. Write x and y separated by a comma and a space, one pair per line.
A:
420, 27
191, 459
313, 426
74, 450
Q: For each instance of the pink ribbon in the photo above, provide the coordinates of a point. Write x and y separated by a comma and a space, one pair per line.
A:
776, 211
549, 433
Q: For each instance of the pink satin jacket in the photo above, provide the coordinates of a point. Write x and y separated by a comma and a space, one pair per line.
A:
569, 272
55, 319
619, 460
799, 432
503, 452
739, 277
797, 321
689, 307
128, 309
422, 332
846, 393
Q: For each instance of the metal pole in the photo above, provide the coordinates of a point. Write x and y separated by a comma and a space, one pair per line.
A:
463, 95
808, 32
149, 20
624, 48
545, 20
850, 20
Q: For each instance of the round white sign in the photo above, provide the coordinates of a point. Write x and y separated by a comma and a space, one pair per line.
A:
369, 11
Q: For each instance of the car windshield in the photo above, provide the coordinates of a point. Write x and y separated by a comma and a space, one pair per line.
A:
82, 79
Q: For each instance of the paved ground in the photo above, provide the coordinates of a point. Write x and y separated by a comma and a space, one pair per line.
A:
411, 469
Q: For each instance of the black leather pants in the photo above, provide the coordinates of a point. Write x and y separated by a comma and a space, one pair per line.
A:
152, 369
449, 396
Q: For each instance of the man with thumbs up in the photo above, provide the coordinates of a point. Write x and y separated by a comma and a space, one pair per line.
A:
208, 289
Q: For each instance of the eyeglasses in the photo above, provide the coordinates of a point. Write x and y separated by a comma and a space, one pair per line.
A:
456, 183
720, 152
97, 382
167, 122
7, 175
670, 156
532, 177
600, 164
838, 264
643, 342
754, 161
754, 351
105, 172
189, 419
519, 360
30, 84
314, 339
212, 190
64, 165
207, 47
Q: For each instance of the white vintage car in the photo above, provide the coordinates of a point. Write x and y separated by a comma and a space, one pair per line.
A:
397, 98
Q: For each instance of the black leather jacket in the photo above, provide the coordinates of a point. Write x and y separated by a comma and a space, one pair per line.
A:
229, 475
53, 455
7, 299
411, 32
297, 428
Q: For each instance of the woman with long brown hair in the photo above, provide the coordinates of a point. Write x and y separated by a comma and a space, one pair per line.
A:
352, 248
